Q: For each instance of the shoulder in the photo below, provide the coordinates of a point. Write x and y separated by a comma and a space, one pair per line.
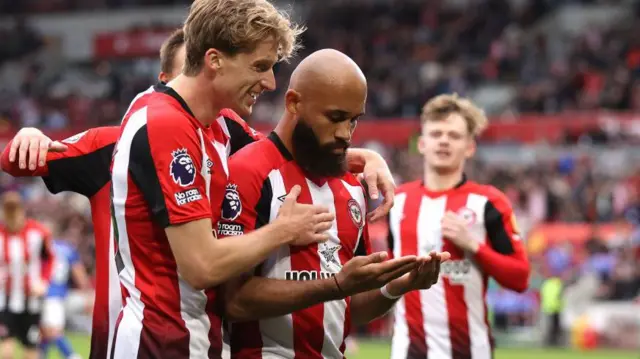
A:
259, 157
409, 187
34, 225
496, 199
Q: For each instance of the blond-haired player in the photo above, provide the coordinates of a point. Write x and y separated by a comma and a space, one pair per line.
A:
444, 211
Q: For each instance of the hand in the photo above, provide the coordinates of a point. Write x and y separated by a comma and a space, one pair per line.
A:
307, 223
422, 277
31, 143
364, 273
38, 289
378, 177
456, 230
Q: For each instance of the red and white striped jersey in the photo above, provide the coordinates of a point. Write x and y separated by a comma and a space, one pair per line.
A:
261, 176
26, 258
449, 321
167, 169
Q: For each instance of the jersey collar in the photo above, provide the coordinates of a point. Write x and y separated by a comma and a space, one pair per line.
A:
273, 137
163, 88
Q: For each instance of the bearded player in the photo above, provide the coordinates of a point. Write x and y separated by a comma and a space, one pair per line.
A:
80, 164
302, 301
444, 211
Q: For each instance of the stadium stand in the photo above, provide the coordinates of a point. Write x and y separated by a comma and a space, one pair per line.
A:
560, 79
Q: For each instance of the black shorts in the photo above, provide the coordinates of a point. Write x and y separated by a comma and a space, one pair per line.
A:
24, 327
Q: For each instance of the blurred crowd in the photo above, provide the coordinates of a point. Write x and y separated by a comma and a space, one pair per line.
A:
410, 50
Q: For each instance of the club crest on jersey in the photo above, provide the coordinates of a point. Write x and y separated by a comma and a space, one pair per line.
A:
355, 213
231, 206
182, 168
468, 215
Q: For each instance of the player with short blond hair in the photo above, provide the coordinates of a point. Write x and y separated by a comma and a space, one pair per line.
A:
475, 223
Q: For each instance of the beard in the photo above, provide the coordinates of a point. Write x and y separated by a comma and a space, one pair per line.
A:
315, 159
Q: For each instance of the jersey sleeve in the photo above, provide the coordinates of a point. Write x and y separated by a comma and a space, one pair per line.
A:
500, 223
83, 168
247, 201
165, 162
240, 133
503, 257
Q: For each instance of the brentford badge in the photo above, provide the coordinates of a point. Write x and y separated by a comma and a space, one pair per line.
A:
468, 215
355, 213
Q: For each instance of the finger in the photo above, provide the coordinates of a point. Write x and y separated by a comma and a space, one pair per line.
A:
375, 258
321, 237
42, 153
15, 144
22, 153
291, 197
322, 227
444, 256
323, 218
34, 148
321, 209
57, 146
397, 273
372, 185
383, 209
395, 263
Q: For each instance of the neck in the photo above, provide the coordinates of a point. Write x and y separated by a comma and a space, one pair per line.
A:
197, 92
15, 223
284, 130
441, 181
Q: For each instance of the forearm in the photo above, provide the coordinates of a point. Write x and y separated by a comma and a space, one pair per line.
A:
259, 297
236, 255
368, 306
510, 271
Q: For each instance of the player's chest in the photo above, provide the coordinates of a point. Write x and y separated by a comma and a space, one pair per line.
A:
17, 250
418, 219
346, 232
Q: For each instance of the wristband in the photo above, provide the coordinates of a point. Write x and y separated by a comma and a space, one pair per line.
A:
388, 295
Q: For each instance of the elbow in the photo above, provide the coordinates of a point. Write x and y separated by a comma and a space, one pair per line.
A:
236, 312
522, 283
202, 277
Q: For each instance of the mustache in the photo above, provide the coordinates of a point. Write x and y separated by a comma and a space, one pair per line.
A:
338, 145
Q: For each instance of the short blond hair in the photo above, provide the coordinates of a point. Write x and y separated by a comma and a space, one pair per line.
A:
235, 26
442, 106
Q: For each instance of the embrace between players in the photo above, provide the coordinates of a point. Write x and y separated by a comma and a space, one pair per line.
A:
291, 270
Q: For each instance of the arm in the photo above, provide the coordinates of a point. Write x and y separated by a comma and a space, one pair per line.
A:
78, 164
215, 261
79, 272
378, 178
502, 256
46, 256
165, 162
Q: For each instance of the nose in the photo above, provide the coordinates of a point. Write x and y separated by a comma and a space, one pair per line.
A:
268, 82
344, 131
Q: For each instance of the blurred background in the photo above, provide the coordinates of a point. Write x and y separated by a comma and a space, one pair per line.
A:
560, 80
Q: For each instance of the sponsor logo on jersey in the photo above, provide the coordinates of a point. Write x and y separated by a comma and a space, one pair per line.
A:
230, 229
75, 138
468, 215
355, 212
457, 271
231, 206
307, 275
188, 196
182, 169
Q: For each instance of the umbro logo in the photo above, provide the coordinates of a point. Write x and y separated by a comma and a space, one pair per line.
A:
281, 198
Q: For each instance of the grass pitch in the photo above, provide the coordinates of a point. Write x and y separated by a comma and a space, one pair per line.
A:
381, 350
